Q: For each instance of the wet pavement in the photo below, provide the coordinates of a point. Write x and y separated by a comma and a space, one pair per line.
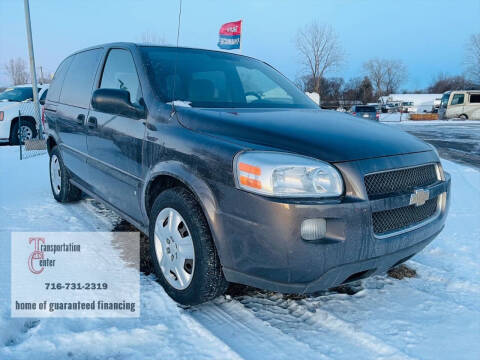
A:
457, 141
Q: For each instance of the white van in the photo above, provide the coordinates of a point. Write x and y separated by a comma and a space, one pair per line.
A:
464, 104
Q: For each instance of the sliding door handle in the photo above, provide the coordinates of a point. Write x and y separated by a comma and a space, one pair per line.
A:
92, 122
80, 119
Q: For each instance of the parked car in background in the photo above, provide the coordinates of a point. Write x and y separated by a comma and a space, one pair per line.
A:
377, 106
463, 104
407, 107
235, 174
15, 99
365, 112
389, 108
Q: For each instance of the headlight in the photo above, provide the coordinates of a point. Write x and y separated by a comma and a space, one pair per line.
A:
438, 167
286, 175
440, 173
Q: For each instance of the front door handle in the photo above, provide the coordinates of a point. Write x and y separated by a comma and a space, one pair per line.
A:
92, 122
80, 119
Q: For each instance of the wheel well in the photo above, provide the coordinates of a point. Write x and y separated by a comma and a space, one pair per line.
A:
159, 184
26, 118
51, 143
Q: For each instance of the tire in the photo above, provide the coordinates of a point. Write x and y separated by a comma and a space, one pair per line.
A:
63, 191
463, 117
206, 280
29, 127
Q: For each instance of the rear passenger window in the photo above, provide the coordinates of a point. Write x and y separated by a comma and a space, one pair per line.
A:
458, 99
475, 98
57, 82
77, 87
120, 73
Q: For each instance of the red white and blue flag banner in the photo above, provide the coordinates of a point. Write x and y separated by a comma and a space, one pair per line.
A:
229, 35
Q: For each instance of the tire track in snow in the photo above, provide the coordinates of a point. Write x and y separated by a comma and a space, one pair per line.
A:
249, 336
308, 326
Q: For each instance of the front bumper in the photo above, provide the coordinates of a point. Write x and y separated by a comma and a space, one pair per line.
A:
259, 243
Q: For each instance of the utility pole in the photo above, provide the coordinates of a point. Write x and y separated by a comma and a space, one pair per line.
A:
33, 73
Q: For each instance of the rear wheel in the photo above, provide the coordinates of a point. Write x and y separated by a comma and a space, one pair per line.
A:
63, 191
463, 117
182, 249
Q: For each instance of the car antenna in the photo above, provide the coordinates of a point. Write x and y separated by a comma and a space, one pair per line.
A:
176, 58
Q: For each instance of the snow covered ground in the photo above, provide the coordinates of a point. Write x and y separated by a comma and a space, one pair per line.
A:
433, 316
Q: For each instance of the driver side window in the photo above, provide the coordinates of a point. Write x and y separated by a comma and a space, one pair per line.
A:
458, 99
120, 73
257, 86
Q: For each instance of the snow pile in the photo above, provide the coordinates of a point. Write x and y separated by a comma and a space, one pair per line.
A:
433, 316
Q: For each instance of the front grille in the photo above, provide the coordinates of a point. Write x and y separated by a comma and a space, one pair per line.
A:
404, 217
401, 180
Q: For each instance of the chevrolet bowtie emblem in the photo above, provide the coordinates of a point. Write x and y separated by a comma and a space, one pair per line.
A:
419, 197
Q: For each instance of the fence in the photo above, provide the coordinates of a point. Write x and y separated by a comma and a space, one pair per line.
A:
30, 138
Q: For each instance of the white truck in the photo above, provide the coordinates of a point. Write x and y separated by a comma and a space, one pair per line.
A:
17, 99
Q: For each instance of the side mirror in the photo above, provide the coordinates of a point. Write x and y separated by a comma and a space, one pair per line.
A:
116, 101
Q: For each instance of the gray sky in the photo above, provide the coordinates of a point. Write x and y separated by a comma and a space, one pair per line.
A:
428, 35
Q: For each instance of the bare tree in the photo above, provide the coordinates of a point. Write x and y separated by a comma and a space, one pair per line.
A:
395, 75
16, 70
472, 59
151, 38
386, 75
376, 72
320, 51
43, 76
442, 82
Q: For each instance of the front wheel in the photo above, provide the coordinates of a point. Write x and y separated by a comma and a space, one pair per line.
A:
63, 191
182, 249
26, 131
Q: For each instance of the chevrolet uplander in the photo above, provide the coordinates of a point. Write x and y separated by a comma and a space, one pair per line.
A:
234, 174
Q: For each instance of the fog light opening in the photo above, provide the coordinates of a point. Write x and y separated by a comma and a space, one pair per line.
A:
313, 229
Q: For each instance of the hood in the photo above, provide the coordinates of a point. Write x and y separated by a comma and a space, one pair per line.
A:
7, 105
323, 134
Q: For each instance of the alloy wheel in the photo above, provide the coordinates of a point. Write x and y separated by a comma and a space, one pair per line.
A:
25, 133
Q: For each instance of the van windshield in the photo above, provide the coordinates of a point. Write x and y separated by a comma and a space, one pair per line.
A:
212, 79
444, 101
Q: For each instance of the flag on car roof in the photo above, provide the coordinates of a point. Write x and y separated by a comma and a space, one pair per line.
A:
229, 35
